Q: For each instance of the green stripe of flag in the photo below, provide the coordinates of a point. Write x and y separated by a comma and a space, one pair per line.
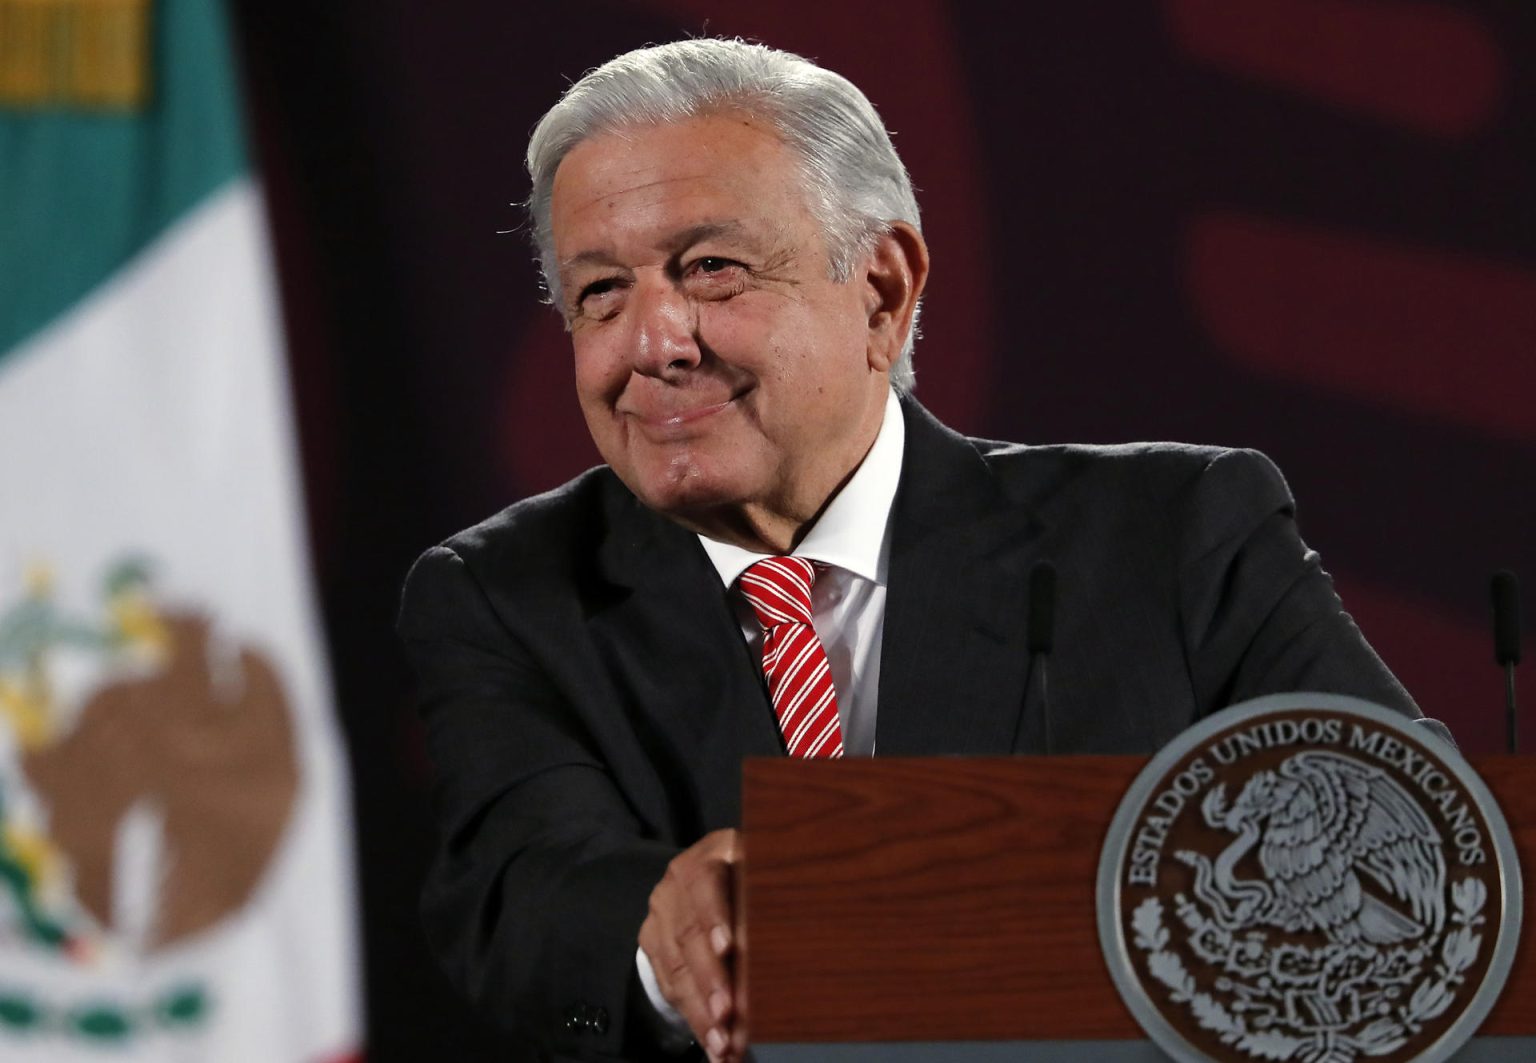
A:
82, 192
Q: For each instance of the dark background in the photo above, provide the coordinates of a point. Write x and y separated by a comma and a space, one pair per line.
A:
1298, 225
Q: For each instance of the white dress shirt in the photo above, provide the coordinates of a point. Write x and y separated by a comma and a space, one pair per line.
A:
853, 538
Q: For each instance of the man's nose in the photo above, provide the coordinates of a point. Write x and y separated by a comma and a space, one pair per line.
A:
665, 326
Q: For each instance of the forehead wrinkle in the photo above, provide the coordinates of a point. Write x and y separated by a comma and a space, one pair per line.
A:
639, 212
603, 196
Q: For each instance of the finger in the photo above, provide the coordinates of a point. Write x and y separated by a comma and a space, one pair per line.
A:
710, 888
692, 1005
678, 987
689, 977
669, 965
717, 1045
687, 936
709, 897
694, 897
711, 979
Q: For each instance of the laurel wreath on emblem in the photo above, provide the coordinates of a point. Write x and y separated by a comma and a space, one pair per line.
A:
39, 906
1347, 998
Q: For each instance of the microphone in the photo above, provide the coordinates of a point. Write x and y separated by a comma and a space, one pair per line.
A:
1042, 607
1504, 589
1042, 634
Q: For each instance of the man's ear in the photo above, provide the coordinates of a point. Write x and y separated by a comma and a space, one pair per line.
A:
895, 273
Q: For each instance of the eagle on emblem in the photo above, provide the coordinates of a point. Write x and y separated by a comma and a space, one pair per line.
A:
1344, 851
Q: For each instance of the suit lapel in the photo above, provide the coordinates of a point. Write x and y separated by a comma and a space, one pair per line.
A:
667, 630
954, 665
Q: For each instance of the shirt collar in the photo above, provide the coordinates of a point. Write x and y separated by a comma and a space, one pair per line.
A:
853, 532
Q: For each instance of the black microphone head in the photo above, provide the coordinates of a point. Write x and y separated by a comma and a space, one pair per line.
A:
1042, 607
1505, 589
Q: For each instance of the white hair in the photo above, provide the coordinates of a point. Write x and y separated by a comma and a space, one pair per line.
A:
857, 184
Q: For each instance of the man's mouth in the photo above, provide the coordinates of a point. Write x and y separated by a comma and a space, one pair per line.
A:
676, 421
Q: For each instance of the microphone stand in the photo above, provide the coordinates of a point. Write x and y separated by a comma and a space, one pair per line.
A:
1504, 590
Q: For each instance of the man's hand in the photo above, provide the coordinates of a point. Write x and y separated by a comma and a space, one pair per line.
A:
688, 938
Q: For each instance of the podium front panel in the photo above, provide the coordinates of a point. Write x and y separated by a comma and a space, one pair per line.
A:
948, 900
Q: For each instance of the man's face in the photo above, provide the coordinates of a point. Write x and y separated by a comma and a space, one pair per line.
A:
724, 376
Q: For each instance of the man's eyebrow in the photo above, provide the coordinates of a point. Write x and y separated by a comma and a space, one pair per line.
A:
588, 258
678, 241
709, 230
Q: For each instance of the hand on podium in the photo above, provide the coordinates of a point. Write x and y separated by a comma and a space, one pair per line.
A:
689, 940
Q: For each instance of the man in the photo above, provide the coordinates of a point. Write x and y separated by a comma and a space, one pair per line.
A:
735, 248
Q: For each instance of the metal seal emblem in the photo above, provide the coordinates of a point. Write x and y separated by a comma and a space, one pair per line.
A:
1309, 877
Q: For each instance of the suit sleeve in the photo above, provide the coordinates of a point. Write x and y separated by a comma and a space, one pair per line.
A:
543, 874
1260, 615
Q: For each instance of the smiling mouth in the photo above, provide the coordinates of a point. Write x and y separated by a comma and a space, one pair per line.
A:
677, 424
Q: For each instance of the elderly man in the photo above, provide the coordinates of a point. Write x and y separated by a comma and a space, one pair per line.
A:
785, 554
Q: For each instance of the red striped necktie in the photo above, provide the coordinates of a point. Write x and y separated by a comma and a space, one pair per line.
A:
794, 662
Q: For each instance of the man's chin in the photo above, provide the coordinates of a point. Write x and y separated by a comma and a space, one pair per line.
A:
690, 495
689, 501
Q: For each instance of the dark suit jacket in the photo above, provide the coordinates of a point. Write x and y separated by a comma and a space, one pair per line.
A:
589, 698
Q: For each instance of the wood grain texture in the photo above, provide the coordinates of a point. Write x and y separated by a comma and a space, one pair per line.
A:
928, 899
1513, 782
946, 899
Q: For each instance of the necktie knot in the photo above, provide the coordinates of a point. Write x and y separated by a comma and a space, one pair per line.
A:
779, 590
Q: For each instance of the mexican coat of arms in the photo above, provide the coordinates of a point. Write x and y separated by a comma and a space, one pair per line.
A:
1309, 878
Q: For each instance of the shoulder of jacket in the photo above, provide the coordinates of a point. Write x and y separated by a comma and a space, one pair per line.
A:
1143, 458
1163, 472
545, 529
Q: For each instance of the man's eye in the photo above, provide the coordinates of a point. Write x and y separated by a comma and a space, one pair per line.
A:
714, 277
599, 299
712, 265
596, 288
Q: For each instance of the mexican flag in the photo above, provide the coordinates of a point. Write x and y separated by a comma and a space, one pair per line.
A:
175, 853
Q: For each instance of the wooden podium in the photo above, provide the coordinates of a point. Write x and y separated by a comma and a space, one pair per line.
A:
952, 900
